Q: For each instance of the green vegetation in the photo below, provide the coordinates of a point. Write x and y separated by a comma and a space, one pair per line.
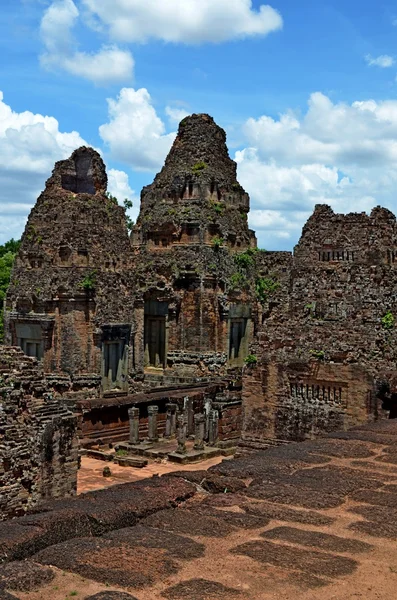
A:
264, 287
89, 281
251, 360
199, 167
127, 205
7, 256
237, 281
219, 208
121, 452
217, 242
318, 354
388, 320
112, 199
246, 259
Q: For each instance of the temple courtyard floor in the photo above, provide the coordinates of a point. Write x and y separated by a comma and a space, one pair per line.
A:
315, 520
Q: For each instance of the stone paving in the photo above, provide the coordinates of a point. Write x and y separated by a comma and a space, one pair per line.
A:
303, 521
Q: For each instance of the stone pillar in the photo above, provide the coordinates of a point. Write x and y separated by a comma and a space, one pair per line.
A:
182, 427
188, 407
213, 429
170, 424
153, 434
199, 426
133, 414
207, 410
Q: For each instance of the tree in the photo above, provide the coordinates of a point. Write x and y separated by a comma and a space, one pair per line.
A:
7, 255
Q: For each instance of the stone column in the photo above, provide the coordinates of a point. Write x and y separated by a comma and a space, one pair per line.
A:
182, 427
207, 410
153, 434
188, 407
213, 429
133, 414
199, 426
170, 424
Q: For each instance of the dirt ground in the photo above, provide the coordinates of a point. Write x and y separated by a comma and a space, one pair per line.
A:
90, 475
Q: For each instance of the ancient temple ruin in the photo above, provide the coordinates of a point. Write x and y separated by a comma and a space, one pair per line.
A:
185, 328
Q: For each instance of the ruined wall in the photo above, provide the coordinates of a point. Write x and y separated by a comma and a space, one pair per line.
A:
38, 440
322, 349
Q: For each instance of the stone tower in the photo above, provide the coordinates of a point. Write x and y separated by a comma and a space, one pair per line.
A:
68, 279
193, 219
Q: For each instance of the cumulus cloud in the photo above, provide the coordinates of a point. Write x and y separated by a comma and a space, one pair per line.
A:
186, 21
175, 115
30, 144
339, 154
135, 134
382, 61
109, 65
118, 186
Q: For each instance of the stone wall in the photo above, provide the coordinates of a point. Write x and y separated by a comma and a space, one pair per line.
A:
38, 441
327, 340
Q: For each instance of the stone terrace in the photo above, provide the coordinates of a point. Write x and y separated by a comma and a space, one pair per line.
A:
311, 520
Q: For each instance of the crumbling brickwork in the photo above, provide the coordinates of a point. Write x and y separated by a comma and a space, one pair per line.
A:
327, 344
38, 437
170, 306
188, 298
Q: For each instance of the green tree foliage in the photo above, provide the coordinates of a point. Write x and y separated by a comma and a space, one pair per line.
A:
7, 256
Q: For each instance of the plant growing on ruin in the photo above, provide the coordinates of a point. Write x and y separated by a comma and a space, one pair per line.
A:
251, 360
388, 320
199, 167
121, 452
112, 199
219, 208
217, 242
318, 354
31, 233
264, 287
89, 281
245, 259
237, 281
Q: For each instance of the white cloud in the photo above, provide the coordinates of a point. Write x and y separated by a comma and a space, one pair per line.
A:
186, 21
109, 65
382, 61
135, 134
175, 115
338, 154
29, 146
118, 186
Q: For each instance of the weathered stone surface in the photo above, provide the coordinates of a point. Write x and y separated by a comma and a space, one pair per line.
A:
211, 482
176, 546
324, 348
109, 561
38, 436
316, 539
24, 576
92, 514
188, 522
315, 563
200, 589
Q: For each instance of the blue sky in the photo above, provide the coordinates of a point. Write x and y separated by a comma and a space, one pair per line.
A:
306, 92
